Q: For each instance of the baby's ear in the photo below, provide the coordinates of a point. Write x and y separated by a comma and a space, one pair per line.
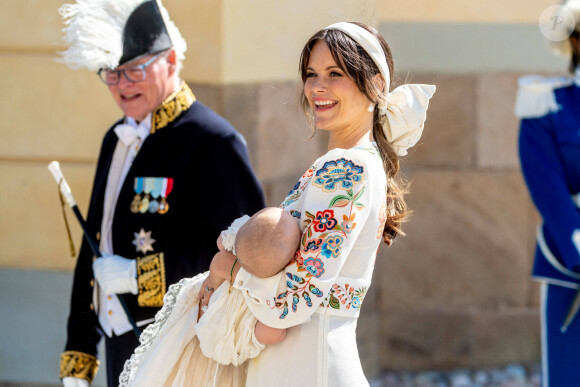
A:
220, 243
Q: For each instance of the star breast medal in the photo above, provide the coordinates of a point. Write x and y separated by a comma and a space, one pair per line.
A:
143, 241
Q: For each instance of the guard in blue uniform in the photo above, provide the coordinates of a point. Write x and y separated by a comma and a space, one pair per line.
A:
171, 175
549, 148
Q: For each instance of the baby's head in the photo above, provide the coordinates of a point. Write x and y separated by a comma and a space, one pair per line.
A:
267, 242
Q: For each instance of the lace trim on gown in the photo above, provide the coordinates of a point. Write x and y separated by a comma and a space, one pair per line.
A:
170, 311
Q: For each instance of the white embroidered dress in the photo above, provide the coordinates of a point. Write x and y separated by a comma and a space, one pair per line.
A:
341, 204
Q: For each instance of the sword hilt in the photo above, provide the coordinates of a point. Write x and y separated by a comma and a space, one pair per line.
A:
54, 168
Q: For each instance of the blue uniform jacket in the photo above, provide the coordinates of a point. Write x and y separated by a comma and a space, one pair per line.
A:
549, 148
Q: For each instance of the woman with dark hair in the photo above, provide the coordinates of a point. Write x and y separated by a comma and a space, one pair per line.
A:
345, 204
549, 149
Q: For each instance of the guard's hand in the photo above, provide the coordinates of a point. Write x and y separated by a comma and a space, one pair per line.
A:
116, 275
69, 381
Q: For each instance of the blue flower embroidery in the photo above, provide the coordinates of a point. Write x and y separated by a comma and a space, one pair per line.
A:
331, 246
314, 266
341, 172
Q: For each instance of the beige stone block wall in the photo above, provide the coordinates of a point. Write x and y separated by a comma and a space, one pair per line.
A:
456, 291
280, 140
260, 46
32, 228
448, 137
49, 111
495, 11
30, 25
497, 127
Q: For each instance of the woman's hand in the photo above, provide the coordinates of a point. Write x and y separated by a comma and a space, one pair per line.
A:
219, 271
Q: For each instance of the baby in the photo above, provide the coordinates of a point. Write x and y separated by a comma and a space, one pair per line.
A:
213, 350
264, 246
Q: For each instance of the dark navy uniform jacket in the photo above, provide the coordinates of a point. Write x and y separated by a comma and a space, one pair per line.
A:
549, 148
213, 184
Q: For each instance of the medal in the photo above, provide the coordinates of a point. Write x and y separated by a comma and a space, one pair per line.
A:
138, 187
155, 193
143, 241
165, 191
147, 187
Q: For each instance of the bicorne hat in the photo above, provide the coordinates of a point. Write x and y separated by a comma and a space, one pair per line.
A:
108, 33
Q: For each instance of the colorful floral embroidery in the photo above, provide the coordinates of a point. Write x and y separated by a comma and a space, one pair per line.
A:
296, 287
370, 148
313, 245
341, 172
314, 266
296, 214
309, 172
347, 297
298, 188
324, 220
323, 237
298, 259
331, 246
348, 223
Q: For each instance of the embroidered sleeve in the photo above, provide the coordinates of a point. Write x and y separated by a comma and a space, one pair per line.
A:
334, 210
151, 280
79, 365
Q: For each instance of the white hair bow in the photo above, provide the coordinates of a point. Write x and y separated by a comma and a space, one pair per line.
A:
402, 111
403, 115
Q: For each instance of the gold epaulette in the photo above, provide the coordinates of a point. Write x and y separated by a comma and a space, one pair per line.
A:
78, 365
151, 280
172, 107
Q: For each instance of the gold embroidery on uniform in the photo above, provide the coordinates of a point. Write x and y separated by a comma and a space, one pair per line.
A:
172, 107
151, 280
79, 365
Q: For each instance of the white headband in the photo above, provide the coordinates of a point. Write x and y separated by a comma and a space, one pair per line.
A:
403, 111
369, 43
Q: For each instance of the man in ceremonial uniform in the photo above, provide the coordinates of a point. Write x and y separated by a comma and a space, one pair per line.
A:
549, 149
170, 176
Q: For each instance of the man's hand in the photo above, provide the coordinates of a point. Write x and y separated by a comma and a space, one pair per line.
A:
116, 275
69, 381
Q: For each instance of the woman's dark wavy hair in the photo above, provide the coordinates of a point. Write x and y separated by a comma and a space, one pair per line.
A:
357, 64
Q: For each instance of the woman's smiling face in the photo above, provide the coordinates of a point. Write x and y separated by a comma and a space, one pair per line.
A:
337, 103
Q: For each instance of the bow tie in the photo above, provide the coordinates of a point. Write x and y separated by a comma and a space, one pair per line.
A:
128, 133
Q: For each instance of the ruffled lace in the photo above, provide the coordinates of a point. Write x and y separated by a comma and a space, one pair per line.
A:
229, 235
170, 311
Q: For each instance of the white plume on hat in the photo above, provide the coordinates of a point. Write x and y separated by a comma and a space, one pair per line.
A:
94, 32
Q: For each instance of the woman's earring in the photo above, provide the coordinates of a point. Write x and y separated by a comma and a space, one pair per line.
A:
371, 107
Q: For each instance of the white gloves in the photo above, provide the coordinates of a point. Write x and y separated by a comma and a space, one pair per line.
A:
69, 381
116, 275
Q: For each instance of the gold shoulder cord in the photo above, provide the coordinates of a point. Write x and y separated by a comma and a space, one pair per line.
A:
79, 365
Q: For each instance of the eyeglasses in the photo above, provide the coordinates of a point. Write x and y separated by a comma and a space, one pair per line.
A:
133, 74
